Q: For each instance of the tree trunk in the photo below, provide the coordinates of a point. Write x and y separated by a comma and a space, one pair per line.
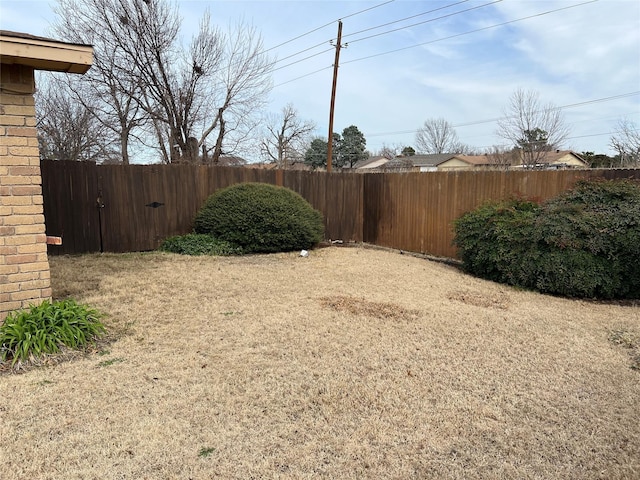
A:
217, 151
124, 146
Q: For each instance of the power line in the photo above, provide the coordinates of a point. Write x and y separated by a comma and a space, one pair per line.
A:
365, 10
362, 31
303, 51
506, 145
570, 124
303, 76
562, 107
316, 45
447, 38
302, 59
470, 32
406, 18
327, 24
422, 23
492, 120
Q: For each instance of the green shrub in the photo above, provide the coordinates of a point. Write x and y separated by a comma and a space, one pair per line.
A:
592, 236
198, 244
258, 217
494, 236
45, 328
583, 243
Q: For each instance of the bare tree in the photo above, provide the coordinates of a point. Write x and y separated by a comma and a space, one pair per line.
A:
240, 87
532, 127
437, 135
109, 95
67, 129
286, 137
389, 151
184, 96
502, 158
626, 142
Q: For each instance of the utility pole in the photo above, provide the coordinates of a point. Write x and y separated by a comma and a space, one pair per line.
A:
333, 96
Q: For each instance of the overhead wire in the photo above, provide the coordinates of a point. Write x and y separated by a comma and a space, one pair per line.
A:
604, 99
361, 31
506, 145
327, 24
303, 76
303, 51
440, 39
492, 120
470, 32
562, 107
405, 18
371, 28
425, 21
300, 60
316, 45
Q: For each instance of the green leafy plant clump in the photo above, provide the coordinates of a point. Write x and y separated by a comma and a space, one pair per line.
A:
46, 328
582, 243
199, 244
260, 218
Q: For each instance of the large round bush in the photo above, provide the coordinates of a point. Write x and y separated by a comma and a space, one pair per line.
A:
493, 237
259, 217
583, 243
594, 231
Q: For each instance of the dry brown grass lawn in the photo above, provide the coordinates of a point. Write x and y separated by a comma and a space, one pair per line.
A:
352, 363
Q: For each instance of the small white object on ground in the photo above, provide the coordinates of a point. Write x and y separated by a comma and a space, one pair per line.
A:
304, 253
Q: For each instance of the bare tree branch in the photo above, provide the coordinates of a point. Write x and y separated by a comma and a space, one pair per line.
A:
502, 158
68, 130
438, 136
154, 87
532, 127
626, 142
286, 137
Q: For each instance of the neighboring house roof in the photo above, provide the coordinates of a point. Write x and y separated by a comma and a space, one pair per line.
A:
300, 166
563, 156
371, 162
478, 160
560, 158
231, 161
273, 166
44, 53
399, 163
262, 166
430, 160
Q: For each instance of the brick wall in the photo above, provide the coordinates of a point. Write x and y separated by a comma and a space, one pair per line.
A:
24, 267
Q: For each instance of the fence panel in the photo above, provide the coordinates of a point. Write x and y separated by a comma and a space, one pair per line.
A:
70, 194
143, 204
415, 211
338, 197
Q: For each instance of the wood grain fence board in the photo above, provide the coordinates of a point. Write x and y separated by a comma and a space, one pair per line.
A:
408, 211
70, 193
345, 207
415, 211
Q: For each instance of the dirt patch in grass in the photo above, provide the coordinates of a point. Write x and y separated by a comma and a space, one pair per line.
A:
351, 363
628, 338
480, 299
360, 306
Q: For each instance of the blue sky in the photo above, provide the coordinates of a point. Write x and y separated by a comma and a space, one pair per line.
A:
581, 55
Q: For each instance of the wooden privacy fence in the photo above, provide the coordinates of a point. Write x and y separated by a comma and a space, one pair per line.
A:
415, 211
117, 208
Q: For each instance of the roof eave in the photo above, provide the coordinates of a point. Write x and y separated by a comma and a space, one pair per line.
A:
43, 54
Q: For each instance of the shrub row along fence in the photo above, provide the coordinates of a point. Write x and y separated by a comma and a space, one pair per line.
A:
124, 208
